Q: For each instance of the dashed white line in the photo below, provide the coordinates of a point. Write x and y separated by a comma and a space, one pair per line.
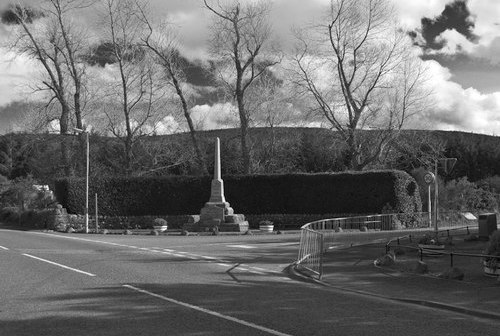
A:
224, 265
243, 246
59, 265
209, 312
4, 248
192, 256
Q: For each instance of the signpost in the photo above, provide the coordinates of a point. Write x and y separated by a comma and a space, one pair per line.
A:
429, 178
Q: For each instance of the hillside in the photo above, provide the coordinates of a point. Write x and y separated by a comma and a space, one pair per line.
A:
277, 150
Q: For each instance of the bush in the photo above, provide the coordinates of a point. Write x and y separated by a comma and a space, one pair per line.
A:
463, 195
266, 222
159, 222
493, 249
10, 215
353, 192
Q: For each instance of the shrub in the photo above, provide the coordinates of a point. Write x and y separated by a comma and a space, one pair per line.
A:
493, 249
266, 222
462, 195
159, 222
352, 192
10, 215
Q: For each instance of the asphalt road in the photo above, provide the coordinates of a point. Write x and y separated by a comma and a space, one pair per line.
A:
61, 284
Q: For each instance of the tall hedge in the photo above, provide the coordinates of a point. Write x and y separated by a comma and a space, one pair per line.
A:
350, 192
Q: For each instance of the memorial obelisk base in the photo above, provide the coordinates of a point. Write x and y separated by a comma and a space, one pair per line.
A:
217, 215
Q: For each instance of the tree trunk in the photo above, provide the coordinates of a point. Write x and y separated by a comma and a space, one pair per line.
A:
245, 149
65, 146
353, 152
78, 109
199, 157
128, 155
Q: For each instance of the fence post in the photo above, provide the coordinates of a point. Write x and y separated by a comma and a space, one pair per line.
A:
321, 258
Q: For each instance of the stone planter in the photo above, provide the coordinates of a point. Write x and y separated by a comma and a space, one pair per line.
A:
431, 249
266, 228
490, 271
160, 228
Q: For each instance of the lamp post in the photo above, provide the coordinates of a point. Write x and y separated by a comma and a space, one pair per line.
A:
429, 178
86, 179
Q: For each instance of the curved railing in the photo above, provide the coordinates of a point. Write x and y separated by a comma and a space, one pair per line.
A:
318, 236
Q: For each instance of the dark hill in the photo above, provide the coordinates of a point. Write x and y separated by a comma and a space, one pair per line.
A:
276, 150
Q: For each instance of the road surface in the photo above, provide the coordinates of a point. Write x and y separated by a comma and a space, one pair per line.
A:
75, 284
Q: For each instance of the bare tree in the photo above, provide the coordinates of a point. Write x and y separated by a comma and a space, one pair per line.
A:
75, 43
359, 72
241, 33
164, 44
48, 36
136, 85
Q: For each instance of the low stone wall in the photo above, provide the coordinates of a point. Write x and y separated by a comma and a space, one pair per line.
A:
59, 220
281, 221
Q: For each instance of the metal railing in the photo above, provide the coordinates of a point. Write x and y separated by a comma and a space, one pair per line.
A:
318, 236
422, 251
311, 251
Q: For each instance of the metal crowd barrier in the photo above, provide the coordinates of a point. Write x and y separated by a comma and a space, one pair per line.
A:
318, 236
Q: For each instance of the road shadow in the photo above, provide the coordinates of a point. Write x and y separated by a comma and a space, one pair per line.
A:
279, 305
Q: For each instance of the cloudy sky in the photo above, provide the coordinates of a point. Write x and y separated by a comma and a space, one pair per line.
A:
458, 40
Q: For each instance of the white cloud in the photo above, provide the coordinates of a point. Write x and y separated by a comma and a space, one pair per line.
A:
457, 108
455, 43
487, 14
206, 117
167, 125
411, 12
16, 72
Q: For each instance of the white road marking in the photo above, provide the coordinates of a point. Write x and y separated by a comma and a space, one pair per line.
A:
260, 245
209, 258
209, 312
4, 248
243, 246
180, 254
224, 265
59, 265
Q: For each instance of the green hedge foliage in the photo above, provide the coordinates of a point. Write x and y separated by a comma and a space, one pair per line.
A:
350, 192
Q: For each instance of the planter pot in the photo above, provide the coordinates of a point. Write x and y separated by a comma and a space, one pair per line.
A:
266, 228
431, 250
490, 271
160, 228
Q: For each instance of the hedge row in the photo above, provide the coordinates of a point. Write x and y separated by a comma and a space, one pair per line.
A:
351, 192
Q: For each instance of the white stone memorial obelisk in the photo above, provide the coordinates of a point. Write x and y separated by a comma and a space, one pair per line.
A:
217, 189
217, 213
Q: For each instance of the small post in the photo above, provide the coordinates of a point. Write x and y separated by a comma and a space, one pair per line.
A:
436, 198
451, 259
321, 259
96, 216
429, 205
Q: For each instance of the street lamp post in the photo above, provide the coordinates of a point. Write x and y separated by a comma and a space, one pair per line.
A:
429, 178
86, 179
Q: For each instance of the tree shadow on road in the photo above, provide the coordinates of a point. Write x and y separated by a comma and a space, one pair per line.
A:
171, 309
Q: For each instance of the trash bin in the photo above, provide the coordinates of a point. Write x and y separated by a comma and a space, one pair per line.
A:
487, 224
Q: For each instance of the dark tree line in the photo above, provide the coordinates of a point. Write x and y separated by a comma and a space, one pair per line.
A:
281, 150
